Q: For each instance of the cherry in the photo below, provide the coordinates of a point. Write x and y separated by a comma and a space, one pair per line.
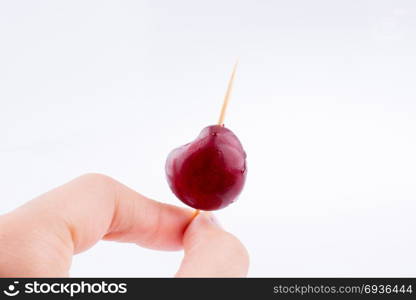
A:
208, 173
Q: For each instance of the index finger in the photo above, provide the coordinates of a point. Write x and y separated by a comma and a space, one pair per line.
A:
94, 207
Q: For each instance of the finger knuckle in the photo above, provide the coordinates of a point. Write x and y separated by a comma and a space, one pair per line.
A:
97, 179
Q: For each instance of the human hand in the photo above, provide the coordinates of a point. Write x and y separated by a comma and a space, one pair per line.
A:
39, 238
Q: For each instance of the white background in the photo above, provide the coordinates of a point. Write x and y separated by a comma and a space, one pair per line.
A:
324, 104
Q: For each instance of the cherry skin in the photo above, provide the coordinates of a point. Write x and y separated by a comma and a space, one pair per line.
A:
208, 173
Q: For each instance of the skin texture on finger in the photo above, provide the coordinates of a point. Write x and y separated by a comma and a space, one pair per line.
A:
212, 252
40, 237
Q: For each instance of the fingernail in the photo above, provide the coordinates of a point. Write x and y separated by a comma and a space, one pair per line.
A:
205, 218
214, 220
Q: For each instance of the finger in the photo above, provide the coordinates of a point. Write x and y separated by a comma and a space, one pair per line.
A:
73, 217
212, 252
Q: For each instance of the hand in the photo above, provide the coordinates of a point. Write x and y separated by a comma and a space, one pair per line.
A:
39, 238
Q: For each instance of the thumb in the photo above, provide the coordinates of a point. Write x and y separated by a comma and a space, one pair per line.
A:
212, 252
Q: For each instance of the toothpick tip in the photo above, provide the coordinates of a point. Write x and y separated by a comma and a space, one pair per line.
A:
228, 94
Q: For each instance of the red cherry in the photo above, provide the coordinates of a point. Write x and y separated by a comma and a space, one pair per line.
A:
208, 173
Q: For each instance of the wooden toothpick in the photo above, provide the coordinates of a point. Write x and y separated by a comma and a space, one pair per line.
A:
227, 95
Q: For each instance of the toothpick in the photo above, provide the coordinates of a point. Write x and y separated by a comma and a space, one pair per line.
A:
227, 95
196, 213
